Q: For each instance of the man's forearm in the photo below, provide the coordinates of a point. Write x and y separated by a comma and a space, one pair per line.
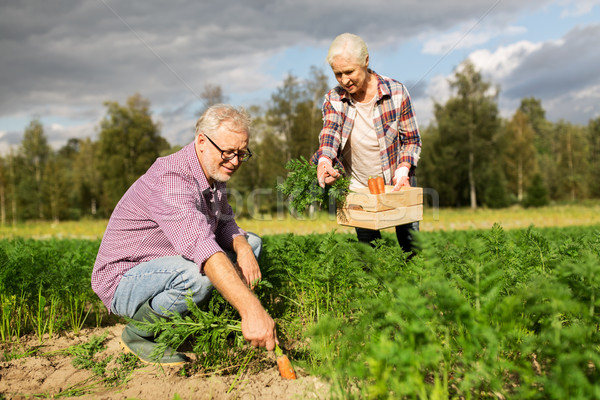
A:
224, 277
241, 246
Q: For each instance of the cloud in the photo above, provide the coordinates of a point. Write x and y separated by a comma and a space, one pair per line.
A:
66, 57
580, 7
467, 37
562, 73
502, 62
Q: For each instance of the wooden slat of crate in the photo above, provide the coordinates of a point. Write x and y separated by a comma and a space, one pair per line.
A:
379, 219
386, 201
365, 210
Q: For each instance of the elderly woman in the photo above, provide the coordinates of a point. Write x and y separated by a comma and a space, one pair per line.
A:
369, 129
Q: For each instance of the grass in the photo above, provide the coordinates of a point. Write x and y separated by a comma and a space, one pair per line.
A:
583, 214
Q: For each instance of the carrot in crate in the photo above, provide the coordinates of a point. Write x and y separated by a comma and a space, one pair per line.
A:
373, 189
380, 184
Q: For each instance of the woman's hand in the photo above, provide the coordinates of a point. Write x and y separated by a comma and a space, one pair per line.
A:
401, 178
326, 174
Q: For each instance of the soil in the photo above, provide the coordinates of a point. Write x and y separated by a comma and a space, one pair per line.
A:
51, 375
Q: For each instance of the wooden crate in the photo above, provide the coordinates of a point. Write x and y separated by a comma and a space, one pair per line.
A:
380, 211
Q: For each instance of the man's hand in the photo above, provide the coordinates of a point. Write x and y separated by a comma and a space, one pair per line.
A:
326, 174
258, 328
249, 269
246, 262
401, 178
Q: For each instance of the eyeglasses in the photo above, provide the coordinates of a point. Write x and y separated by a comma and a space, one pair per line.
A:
227, 155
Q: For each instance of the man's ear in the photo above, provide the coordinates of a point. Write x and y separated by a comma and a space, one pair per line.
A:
367, 61
200, 139
199, 143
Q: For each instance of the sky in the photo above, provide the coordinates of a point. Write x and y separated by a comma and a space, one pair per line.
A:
61, 60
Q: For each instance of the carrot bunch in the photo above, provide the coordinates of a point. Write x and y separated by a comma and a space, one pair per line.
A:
376, 185
286, 370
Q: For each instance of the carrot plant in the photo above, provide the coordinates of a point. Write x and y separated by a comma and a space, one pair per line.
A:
211, 330
44, 283
45, 317
89, 356
78, 311
302, 189
13, 317
476, 314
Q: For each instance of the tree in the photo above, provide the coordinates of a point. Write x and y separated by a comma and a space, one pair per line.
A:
282, 113
288, 128
546, 141
129, 143
34, 152
56, 186
3, 189
536, 116
87, 178
13, 183
466, 142
537, 193
571, 162
211, 95
594, 156
295, 113
520, 154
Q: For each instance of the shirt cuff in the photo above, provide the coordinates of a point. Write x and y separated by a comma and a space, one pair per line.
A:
204, 251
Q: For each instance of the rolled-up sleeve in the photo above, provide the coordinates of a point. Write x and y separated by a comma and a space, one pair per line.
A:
408, 128
331, 133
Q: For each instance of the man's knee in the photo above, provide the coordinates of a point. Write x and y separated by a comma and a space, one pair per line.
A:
255, 242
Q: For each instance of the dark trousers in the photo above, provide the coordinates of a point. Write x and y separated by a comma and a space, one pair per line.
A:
403, 235
403, 232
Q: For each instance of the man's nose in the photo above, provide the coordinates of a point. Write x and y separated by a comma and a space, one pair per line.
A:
235, 160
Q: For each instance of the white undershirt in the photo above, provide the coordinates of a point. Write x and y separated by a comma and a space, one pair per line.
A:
361, 151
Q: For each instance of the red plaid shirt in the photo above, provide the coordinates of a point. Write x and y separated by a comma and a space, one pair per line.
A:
170, 210
394, 120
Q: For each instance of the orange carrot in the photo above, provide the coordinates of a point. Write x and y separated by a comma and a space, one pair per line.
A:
285, 366
373, 189
380, 184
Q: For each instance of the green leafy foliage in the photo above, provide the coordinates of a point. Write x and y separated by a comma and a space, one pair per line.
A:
89, 356
476, 314
302, 189
45, 285
212, 329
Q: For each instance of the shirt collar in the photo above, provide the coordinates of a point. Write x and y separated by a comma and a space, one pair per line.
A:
195, 167
198, 172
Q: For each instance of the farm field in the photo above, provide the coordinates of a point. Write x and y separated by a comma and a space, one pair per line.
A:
434, 220
484, 311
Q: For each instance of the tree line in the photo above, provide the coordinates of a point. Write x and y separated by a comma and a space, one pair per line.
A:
471, 156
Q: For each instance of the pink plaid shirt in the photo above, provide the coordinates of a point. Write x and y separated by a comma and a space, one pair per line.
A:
170, 210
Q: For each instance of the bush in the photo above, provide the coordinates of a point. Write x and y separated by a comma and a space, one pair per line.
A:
537, 193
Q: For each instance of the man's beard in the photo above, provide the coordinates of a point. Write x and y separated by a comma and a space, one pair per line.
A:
214, 173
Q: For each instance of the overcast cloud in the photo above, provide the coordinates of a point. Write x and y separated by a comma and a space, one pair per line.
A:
60, 60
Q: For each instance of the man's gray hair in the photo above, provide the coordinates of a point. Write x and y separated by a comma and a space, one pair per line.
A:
238, 119
348, 44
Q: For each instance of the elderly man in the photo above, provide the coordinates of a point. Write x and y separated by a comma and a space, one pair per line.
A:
369, 128
174, 233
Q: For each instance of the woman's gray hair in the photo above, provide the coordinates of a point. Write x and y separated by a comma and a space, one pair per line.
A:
348, 44
238, 119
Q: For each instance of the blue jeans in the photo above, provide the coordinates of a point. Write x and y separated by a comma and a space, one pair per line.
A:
166, 281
